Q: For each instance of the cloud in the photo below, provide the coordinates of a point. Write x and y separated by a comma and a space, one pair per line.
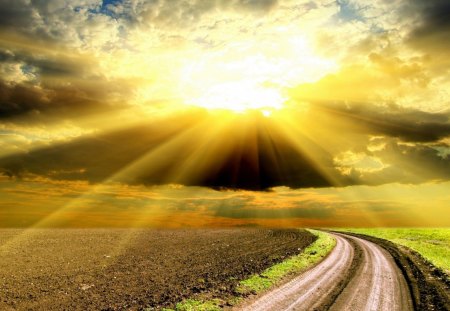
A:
17, 13
413, 163
241, 165
388, 94
274, 213
82, 54
53, 202
395, 121
177, 151
432, 27
76, 60
182, 13
37, 103
75, 21
48, 79
19, 99
360, 162
54, 20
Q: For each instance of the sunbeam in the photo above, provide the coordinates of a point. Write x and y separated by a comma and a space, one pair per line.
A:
285, 96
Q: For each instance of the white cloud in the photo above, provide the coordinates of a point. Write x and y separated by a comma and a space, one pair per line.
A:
348, 161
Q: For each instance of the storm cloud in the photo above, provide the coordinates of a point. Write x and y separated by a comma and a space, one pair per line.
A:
433, 23
408, 124
258, 161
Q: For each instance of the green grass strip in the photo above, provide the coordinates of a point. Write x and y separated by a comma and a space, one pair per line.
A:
197, 305
257, 283
431, 243
273, 275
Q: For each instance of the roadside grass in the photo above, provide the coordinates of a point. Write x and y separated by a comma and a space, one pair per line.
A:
197, 305
270, 277
310, 256
432, 243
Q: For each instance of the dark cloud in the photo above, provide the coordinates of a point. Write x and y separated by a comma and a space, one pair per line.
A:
47, 61
423, 163
68, 102
16, 13
46, 20
278, 213
271, 163
395, 121
19, 99
56, 82
274, 163
405, 163
435, 16
260, 160
432, 29
412, 141
56, 68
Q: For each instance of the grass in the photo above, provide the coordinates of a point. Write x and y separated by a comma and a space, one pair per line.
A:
270, 277
310, 256
433, 244
197, 305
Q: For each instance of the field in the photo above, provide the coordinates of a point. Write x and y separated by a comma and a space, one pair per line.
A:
269, 278
433, 244
54, 269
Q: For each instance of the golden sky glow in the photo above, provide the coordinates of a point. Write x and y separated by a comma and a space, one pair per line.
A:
224, 113
253, 74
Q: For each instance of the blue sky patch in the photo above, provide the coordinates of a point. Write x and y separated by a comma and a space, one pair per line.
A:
105, 8
349, 12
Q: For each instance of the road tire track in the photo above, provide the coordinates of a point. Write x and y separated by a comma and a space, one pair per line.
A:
356, 275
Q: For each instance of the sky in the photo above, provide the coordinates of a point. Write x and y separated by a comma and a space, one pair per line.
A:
192, 113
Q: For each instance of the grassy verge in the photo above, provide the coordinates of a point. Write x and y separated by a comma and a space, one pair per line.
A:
197, 305
310, 256
432, 244
271, 276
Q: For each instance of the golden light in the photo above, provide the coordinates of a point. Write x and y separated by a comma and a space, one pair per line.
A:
240, 96
250, 75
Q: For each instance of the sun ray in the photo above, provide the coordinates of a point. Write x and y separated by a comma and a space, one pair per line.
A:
297, 133
75, 204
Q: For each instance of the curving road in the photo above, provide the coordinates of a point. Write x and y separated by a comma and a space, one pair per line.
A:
356, 275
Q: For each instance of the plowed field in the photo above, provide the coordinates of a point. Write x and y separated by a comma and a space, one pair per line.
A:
81, 269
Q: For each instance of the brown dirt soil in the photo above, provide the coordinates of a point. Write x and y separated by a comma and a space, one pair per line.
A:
112, 269
429, 286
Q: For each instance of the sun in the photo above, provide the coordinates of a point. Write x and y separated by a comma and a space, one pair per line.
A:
250, 75
232, 84
240, 96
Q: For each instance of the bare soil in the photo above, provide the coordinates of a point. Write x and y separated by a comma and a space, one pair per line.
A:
115, 269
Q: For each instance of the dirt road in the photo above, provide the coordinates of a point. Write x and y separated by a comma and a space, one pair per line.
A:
357, 275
